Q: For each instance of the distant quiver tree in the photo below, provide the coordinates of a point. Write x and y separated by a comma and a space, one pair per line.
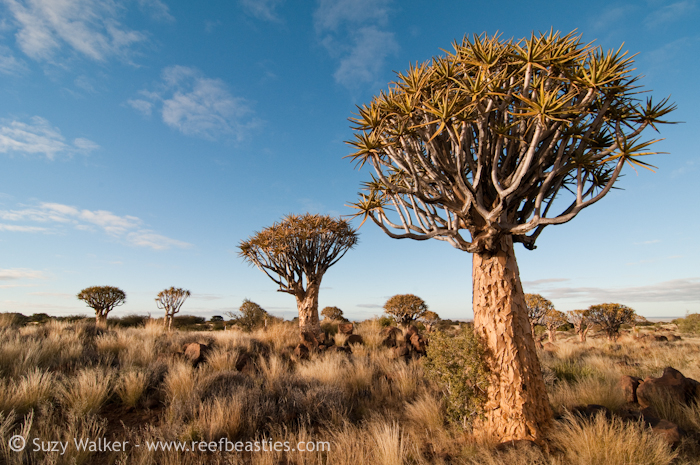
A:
171, 300
537, 308
485, 147
581, 322
405, 308
250, 316
333, 313
102, 299
295, 253
610, 317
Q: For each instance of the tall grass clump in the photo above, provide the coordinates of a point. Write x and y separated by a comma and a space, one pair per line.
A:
610, 442
456, 363
131, 387
87, 391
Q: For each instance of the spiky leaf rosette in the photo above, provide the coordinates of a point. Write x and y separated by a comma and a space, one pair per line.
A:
488, 139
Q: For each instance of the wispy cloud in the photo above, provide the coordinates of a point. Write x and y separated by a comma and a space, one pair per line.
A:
197, 105
369, 306
87, 27
542, 282
654, 241
157, 10
12, 274
39, 136
55, 215
670, 13
262, 9
676, 290
354, 32
9, 64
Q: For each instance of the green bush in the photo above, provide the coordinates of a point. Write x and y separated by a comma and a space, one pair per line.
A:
456, 363
689, 324
128, 321
386, 321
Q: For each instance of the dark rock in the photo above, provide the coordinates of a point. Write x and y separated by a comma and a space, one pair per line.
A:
196, 353
660, 338
671, 433
301, 352
354, 339
346, 328
309, 340
418, 343
672, 384
629, 385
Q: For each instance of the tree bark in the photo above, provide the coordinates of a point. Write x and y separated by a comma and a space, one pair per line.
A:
517, 406
100, 319
552, 335
307, 304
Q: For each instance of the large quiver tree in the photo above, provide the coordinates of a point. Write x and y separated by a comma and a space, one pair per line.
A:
295, 253
474, 147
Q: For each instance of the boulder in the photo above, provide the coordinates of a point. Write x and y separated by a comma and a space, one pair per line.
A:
354, 339
629, 385
672, 384
389, 342
670, 431
418, 343
196, 353
660, 338
301, 352
309, 340
402, 350
410, 332
391, 332
346, 328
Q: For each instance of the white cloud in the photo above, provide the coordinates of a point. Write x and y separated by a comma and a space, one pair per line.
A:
88, 27
371, 48
332, 14
20, 273
354, 32
9, 64
197, 105
38, 136
127, 228
670, 13
262, 9
675, 290
157, 9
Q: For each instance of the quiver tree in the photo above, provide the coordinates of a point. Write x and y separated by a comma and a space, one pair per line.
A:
333, 313
295, 253
405, 308
429, 319
102, 299
552, 320
582, 324
171, 300
251, 316
537, 308
610, 317
474, 147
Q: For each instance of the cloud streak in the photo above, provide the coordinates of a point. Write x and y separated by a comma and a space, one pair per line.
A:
38, 136
262, 9
90, 28
675, 290
127, 228
196, 105
354, 32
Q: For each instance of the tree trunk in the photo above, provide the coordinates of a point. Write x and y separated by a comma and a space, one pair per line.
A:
100, 319
552, 334
307, 304
582, 335
518, 406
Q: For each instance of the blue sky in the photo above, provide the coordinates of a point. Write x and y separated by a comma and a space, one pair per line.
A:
142, 140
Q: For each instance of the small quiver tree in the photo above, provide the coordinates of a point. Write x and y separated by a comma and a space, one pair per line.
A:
102, 299
429, 319
405, 308
171, 300
295, 253
552, 320
251, 316
537, 308
333, 314
610, 317
487, 146
582, 324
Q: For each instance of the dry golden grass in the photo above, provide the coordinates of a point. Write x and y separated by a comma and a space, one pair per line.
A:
56, 380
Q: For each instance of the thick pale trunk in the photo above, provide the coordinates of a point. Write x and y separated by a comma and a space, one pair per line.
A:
552, 333
100, 319
582, 335
307, 304
518, 406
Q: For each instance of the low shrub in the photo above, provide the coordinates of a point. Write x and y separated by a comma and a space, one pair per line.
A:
689, 324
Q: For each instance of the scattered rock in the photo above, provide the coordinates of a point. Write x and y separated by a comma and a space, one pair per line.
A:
301, 352
672, 383
339, 349
660, 338
389, 342
629, 385
667, 430
674, 337
402, 350
196, 353
309, 340
549, 347
346, 328
410, 332
354, 339
391, 332
418, 343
